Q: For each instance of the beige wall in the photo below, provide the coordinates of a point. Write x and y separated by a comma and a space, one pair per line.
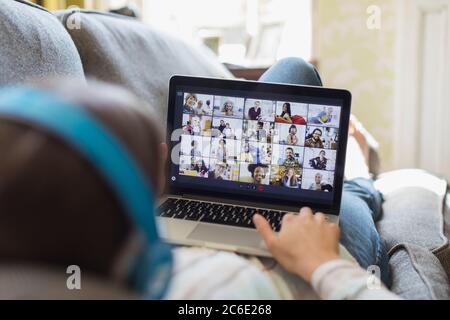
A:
353, 57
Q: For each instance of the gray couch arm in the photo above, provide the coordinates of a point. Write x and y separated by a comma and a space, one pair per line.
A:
414, 229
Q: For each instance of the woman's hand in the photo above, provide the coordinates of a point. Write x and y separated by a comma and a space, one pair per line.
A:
306, 241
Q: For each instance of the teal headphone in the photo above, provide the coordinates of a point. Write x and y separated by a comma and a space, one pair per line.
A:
153, 267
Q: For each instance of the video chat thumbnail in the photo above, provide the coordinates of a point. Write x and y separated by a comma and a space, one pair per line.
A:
229, 107
259, 110
197, 125
195, 146
227, 128
288, 177
290, 134
288, 156
225, 149
255, 173
291, 113
321, 137
220, 170
316, 180
320, 159
324, 115
194, 166
198, 104
258, 131
278, 143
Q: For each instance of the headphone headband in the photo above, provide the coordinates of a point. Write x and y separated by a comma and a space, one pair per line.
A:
89, 137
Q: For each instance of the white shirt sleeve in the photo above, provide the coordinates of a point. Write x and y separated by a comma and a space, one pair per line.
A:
344, 280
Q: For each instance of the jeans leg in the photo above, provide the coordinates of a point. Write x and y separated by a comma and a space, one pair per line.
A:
361, 207
361, 203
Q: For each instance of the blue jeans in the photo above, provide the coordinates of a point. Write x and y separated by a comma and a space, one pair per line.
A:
361, 204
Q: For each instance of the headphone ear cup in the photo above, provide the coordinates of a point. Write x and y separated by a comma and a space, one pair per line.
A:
152, 271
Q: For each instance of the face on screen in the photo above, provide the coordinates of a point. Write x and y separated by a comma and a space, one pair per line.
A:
280, 144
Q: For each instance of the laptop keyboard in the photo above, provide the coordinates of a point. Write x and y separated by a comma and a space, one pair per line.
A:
228, 215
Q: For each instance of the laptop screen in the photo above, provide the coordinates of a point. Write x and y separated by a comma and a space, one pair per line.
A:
275, 146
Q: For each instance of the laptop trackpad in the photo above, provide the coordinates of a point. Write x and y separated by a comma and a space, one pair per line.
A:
226, 235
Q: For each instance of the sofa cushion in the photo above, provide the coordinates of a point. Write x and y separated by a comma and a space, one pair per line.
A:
34, 282
444, 255
34, 44
418, 275
127, 52
413, 212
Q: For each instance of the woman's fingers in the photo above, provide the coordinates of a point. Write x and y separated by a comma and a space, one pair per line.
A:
265, 230
306, 213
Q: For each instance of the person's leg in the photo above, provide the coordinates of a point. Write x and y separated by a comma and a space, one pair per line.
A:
361, 206
361, 203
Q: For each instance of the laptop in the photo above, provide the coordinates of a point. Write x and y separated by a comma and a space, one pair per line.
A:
238, 148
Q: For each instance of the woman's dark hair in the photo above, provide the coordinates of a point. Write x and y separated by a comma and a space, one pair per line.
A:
193, 143
201, 168
318, 130
292, 127
204, 168
56, 209
288, 112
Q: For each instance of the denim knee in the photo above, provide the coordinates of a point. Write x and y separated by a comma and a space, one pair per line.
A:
366, 191
293, 70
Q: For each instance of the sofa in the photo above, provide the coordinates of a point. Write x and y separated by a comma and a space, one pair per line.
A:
38, 44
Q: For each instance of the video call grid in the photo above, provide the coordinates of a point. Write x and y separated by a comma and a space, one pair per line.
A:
270, 117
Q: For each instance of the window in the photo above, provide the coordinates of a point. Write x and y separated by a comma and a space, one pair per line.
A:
250, 33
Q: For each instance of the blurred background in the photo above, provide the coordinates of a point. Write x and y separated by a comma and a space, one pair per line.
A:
393, 55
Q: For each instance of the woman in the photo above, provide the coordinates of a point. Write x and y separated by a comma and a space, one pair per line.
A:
324, 117
44, 171
221, 150
317, 184
290, 179
228, 108
201, 168
315, 140
228, 132
199, 111
286, 114
292, 138
196, 127
222, 126
258, 172
188, 129
189, 103
246, 155
195, 152
218, 172
320, 162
